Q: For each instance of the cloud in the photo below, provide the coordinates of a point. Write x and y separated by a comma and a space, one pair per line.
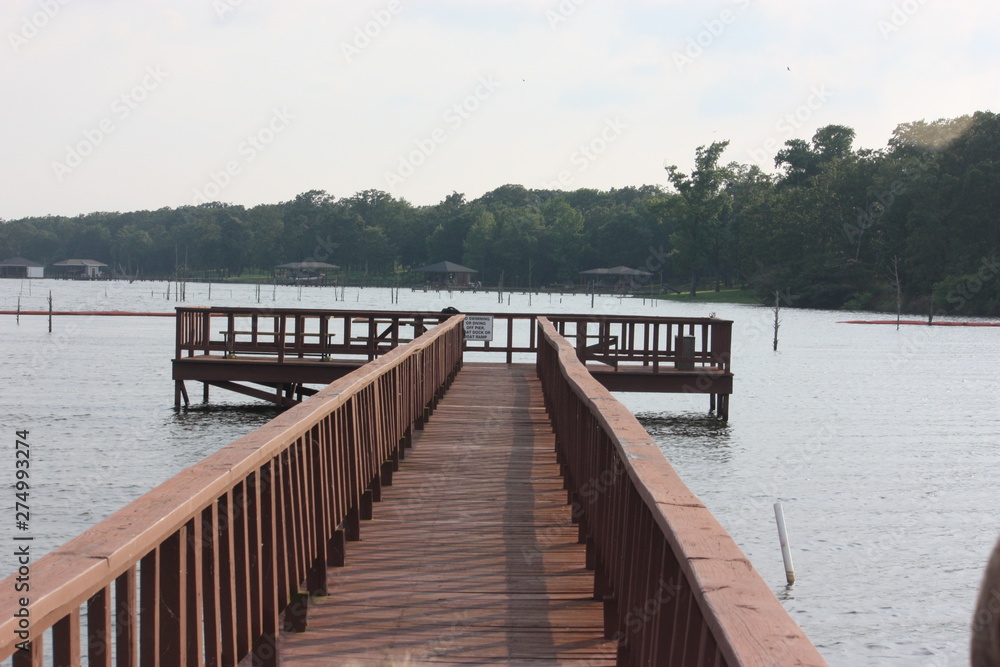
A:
559, 82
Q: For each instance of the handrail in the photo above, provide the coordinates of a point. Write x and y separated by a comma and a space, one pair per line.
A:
295, 333
649, 341
200, 569
676, 587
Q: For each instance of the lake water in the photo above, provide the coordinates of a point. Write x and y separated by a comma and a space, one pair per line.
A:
882, 445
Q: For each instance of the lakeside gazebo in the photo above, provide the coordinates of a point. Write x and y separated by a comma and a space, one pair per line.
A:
448, 273
79, 268
304, 272
624, 276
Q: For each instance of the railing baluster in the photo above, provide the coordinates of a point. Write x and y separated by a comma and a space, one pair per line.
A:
172, 608
266, 648
34, 656
149, 610
99, 628
66, 640
227, 610
194, 600
210, 587
252, 502
126, 619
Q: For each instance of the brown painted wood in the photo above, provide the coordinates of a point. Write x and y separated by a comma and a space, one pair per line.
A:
210, 587
99, 628
193, 597
149, 610
126, 619
472, 555
172, 612
34, 656
66, 640
714, 607
634, 353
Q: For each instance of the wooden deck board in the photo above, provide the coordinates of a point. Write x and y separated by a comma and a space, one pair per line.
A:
472, 557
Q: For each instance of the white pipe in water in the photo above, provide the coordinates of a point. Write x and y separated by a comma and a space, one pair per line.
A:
786, 554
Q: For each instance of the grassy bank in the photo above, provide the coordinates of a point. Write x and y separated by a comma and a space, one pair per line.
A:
711, 296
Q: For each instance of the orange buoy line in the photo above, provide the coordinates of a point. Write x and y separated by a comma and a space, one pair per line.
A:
99, 313
924, 323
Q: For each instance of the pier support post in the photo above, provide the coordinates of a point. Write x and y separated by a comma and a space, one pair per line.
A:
352, 524
297, 613
180, 391
265, 651
316, 580
591, 558
366, 505
336, 550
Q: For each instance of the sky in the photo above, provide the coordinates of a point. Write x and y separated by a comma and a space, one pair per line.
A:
115, 105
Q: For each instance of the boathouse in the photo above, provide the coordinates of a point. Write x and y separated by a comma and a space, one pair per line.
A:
79, 268
619, 276
19, 267
447, 273
299, 273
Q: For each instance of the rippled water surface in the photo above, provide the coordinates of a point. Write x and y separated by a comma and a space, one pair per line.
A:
882, 445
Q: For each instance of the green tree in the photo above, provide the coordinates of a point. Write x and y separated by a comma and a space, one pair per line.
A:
478, 246
698, 212
561, 240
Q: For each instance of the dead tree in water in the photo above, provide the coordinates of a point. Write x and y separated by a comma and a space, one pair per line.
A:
777, 320
898, 286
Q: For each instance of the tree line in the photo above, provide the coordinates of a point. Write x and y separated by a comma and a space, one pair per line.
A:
835, 227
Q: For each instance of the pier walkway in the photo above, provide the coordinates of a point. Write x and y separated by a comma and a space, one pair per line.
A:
419, 510
472, 556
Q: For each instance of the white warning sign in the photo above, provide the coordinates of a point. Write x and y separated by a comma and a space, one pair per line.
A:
479, 327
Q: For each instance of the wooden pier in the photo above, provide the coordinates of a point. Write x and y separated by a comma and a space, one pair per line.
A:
472, 555
420, 509
274, 354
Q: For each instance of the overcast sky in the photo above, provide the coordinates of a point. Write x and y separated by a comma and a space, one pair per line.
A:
118, 105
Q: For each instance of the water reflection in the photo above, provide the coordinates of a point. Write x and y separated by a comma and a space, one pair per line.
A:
239, 415
786, 592
686, 434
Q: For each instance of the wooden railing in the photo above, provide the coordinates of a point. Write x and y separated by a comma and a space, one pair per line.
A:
676, 589
651, 342
201, 569
296, 333
618, 339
